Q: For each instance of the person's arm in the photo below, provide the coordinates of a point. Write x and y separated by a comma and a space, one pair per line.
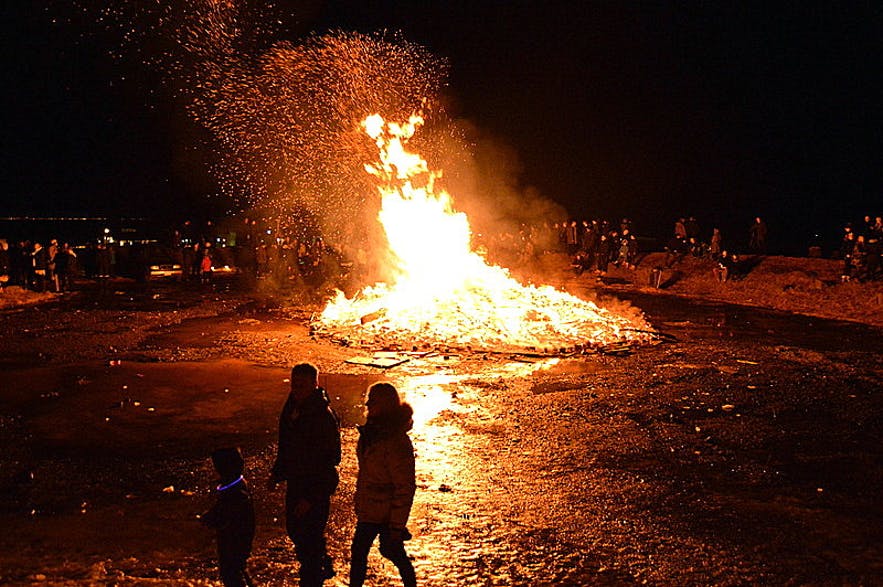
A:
401, 469
215, 518
327, 441
276, 473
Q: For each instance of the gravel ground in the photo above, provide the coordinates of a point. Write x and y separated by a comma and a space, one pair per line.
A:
743, 448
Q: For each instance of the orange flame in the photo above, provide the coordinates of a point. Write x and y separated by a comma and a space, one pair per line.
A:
444, 293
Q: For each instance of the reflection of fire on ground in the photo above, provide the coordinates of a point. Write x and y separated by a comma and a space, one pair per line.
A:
442, 292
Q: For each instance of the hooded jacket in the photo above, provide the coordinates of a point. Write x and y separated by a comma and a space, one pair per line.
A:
309, 447
233, 518
386, 485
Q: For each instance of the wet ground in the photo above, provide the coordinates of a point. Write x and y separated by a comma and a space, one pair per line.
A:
745, 447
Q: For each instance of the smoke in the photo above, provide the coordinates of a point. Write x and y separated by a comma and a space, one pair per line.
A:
282, 117
484, 175
287, 124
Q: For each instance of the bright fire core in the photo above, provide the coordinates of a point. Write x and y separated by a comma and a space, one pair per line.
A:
443, 293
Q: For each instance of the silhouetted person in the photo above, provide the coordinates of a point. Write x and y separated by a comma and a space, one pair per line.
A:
757, 236
859, 257
205, 266
40, 264
386, 484
716, 243
675, 250
140, 263
64, 259
16, 268
847, 246
187, 255
680, 229
4, 262
103, 266
603, 256
232, 517
723, 267
307, 459
691, 225
571, 237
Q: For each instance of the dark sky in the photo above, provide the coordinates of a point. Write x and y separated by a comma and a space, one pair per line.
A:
646, 110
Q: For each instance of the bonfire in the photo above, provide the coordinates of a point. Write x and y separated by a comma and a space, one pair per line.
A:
442, 292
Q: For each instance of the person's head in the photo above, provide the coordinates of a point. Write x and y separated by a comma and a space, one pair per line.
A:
304, 380
228, 463
383, 400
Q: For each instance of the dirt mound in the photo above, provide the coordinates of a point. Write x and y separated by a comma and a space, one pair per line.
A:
792, 284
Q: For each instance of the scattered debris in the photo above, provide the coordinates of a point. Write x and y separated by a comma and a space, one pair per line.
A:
378, 360
618, 349
373, 316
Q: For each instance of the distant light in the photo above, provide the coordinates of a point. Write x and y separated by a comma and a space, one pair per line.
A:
106, 231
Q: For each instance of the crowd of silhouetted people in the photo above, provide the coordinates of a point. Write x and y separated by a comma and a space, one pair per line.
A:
860, 249
592, 245
36, 267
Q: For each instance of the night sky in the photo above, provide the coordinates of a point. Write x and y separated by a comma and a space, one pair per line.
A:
645, 110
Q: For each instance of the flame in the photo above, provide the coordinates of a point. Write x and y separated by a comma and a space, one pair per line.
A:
441, 291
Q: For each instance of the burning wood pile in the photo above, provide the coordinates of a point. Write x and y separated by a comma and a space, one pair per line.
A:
445, 295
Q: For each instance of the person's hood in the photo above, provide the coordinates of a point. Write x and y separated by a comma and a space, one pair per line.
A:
387, 425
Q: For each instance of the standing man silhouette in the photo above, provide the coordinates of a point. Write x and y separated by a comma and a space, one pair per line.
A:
307, 459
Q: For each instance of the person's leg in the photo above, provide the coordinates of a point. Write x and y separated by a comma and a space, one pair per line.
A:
362, 541
394, 550
232, 573
308, 535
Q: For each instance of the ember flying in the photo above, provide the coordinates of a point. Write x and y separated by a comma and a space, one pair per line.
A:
441, 292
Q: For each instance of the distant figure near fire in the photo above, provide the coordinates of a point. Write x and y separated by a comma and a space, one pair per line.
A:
757, 236
386, 484
307, 459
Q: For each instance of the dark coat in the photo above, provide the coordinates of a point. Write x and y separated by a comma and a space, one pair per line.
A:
62, 262
386, 483
41, 259
104, 262
233, 518
309, 447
